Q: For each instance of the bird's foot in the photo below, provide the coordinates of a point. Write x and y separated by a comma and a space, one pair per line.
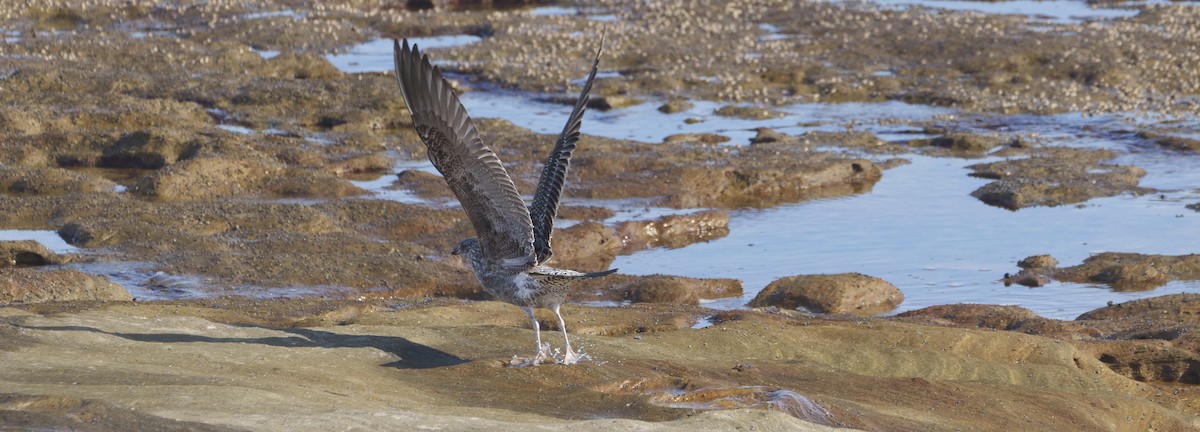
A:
572, 357
543, 355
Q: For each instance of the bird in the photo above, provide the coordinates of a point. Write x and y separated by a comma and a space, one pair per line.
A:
512, 242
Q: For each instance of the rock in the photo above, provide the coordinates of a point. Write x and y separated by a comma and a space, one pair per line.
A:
749, 112
679, 289
655, 289
845, 293
605, 103
89, 235
151, 149
294, 65
51, 181
1132, 272
596, 102
207, 177
976, 315
1027, 277
1038, 262
675, 106
960, 142
369, 163
673, 231
424, 184
584, 213
696, 138
770, 136
662, 290
412, 356
1173, 142
1195, 206
29, 285
297, 182
865, 140
586, 246
1056, 177
26, 253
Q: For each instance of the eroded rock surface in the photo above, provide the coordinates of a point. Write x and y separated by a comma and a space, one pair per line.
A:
765, 370
32, 285
1132, 272
845, 293
1055, 177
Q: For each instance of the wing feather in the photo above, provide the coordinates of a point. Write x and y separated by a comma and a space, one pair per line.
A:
554, 174
472, 170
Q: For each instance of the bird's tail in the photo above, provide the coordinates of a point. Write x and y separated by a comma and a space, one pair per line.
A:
599, 273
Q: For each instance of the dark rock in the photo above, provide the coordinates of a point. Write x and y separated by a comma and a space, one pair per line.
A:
845, 293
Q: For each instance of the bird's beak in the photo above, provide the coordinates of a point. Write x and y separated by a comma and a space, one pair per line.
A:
454, 252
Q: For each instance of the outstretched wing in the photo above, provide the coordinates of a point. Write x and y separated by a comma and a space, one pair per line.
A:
550, 184
473, 171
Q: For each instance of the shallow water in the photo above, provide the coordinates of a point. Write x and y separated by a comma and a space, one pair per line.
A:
644, 122
1057, 11
377, 56
920, 230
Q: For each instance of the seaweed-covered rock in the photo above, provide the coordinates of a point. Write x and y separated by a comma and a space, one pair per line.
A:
1055, 177
1132, 272
674, 231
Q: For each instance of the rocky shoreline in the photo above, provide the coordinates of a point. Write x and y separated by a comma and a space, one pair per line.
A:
236, 187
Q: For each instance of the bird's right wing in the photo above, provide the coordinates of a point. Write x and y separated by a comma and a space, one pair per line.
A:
550, 184
473, 171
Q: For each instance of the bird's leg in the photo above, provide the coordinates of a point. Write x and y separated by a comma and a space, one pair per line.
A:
570, 357
543, 351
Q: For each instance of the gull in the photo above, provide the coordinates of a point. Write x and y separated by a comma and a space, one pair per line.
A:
513, 242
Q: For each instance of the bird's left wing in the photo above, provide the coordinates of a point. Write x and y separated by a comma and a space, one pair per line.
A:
550, 184
472, 170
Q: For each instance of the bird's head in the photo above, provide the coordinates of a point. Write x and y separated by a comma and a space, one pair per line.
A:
469, 248
472, 253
